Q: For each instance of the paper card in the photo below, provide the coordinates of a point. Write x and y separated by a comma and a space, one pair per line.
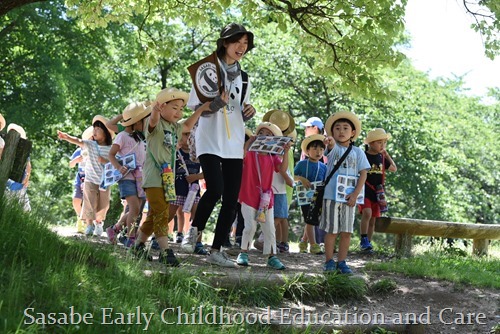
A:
346, 185
304, 195
110, 175
273, 145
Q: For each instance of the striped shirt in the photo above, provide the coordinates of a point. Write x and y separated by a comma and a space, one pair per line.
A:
93, 168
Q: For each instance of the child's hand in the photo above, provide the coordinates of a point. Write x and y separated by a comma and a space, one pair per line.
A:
351, 199
306, 183
156, 108
62, 135
191, 178
288, 145
102, 160
329, 142
123, 169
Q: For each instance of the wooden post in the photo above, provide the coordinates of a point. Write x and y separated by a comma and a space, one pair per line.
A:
14, 158
403, 244
480, 247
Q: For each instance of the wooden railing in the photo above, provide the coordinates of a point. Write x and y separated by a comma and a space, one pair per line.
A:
405, 228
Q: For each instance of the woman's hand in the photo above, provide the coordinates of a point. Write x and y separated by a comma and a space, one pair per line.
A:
248, 111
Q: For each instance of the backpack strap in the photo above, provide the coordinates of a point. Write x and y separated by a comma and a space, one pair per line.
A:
244, 78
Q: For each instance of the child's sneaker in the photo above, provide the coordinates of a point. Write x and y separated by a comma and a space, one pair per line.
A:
189, 241
365, 244
329, 266
168, 257
242, 259
129, 242
302, 246
343, 268
316, 249
140, 252
179, 238
200, 249
98, 231
89, 230
110, 231
221, 259
154, 244
80, 226
282, 247
275, 263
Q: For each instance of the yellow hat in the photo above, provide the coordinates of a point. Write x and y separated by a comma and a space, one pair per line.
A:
170, 94
248, 132
271, 127
134, 112
2, 122
282, 119
377, 134
18, 128
103, 120
310, 139
347, 115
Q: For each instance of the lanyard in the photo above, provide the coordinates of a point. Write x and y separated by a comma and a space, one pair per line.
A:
307, 171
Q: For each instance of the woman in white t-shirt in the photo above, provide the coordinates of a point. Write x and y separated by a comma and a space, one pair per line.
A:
220, 134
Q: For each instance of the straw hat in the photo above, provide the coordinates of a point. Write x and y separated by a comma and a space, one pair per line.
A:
18, 128
377, 134
2, 122
88, 133
134, 112
170, 94
347, 115
282, 119
103, 120
310, 139
271, 127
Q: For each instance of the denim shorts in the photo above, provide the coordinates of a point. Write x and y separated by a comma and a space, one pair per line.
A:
78, 192
127, 188
280, 206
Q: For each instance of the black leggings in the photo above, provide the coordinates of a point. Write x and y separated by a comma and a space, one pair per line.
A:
223, 178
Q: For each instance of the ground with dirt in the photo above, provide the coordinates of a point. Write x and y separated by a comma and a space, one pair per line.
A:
439, 306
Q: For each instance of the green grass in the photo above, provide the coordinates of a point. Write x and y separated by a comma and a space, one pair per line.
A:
42, 273
454, 264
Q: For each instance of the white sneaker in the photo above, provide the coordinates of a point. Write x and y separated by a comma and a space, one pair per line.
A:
221, 259
189, 241
98, 229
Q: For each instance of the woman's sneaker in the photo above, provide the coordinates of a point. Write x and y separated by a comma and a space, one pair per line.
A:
343, 268
275, 263
221, 259
168, 257
329, 266
242, 259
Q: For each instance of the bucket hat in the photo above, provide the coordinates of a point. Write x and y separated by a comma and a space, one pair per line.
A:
134, 112
282, 119
271, 127
347, 115
310, 139
377, 134
170, 94
231, 30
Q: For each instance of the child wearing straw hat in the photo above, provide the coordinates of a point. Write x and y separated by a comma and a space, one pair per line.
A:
380, 161
79, 158
162, 131
307, 171
95, 198
337, 217
256, 186
130, 141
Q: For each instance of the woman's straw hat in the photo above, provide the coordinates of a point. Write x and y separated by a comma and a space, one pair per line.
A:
282, 119
347, 115
377, 134
134, 112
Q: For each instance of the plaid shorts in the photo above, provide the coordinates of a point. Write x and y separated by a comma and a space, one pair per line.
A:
180, 200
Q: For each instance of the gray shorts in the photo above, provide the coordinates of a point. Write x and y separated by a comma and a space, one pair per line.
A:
337, 217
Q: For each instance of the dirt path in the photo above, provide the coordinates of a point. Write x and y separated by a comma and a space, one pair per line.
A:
441, 306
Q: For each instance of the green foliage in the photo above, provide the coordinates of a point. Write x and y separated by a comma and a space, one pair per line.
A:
257, 293
383, 286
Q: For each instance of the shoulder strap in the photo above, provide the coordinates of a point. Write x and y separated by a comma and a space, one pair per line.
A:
337, 166
244, 78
